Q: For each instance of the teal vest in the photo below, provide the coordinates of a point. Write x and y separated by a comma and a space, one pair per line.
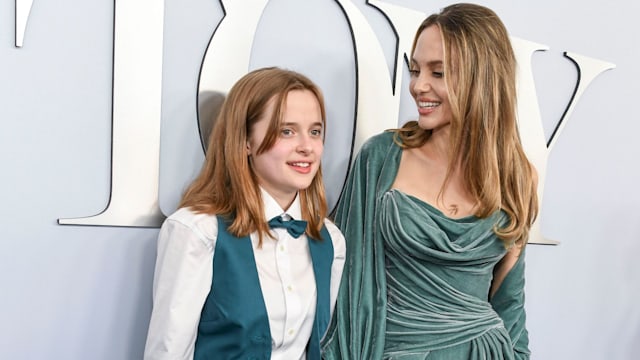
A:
234, 323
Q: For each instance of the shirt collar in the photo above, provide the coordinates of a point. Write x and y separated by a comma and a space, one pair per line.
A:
273, 209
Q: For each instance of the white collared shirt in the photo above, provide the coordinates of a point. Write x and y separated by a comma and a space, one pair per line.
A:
183, 277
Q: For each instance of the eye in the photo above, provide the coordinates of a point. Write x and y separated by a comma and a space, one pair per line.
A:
286, 132
438, 74
414, 72
316, 132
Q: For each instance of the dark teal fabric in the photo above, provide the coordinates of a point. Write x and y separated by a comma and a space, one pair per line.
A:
416, 283
234, 323
295, 228
322, 256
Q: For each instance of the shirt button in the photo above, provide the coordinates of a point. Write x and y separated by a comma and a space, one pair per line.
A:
291, 332
281, 247
290, 288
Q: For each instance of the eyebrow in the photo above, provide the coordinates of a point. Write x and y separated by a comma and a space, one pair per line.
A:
431, 63
317, 123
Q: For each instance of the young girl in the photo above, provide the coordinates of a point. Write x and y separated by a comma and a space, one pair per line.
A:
226, 285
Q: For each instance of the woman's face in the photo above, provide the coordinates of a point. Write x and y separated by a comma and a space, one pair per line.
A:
293, 161
427, 84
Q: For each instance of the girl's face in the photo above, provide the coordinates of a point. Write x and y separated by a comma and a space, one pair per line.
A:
427, 84
293, 161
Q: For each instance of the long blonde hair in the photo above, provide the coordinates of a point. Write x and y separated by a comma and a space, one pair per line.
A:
227, 184
480, 75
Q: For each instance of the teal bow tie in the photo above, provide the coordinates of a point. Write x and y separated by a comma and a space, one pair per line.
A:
294, 227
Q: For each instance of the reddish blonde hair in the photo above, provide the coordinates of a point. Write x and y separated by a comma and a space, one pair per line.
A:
227, 184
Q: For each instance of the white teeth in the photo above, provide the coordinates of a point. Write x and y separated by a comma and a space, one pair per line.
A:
301, 164
428, 104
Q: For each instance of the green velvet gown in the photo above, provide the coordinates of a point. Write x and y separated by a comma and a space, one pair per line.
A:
416, 282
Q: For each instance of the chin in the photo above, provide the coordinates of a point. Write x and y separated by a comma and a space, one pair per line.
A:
431, 124
425, 124
304, 186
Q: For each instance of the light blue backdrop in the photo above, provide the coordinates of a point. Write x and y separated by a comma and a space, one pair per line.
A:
74, 292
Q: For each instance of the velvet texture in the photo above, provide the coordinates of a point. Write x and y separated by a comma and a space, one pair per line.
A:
416, 282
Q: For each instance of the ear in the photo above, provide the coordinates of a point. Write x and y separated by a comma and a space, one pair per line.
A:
248, 149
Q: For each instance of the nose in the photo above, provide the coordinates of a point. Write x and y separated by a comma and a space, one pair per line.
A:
304, 144
421, 84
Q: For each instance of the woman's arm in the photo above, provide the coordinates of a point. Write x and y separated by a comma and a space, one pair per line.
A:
358, 322
507, 299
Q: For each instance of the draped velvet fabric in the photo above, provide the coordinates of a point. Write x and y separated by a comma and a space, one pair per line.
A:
416, 282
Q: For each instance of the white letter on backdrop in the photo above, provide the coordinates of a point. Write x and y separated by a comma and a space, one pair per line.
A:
23, 8
137, 90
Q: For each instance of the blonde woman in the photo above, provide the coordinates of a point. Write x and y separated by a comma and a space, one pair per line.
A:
437, 213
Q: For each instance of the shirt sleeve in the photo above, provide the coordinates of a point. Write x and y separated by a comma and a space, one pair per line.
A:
182, 281
339, 255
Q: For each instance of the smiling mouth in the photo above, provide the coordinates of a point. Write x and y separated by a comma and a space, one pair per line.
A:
428, 104
300, 164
